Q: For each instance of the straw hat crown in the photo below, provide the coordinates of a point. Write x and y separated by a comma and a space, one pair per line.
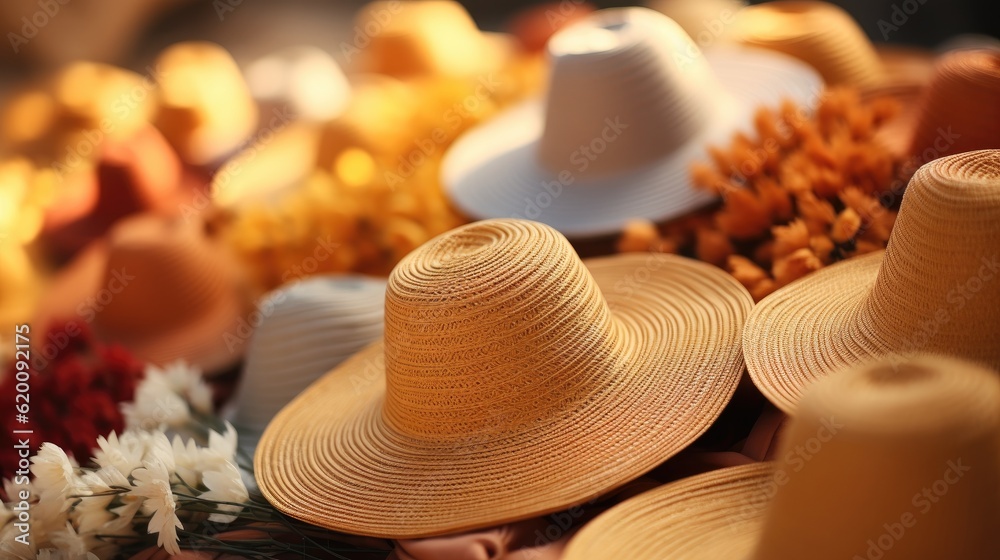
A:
884, 460
425, 38
960, 109
936, 288
938, 263
492, 328
632, 67
819, 33
168, 276
930, 423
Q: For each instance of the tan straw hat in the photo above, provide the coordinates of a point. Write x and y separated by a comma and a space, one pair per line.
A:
827, 37
885, 461
935, 288
160, 287
961, 106
424, 38
631, 104
513, 381
951, 113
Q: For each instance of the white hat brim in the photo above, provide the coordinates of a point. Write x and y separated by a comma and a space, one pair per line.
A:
493, 172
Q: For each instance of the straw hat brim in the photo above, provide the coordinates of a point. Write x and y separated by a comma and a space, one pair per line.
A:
809, 328
714, 515
329, 458
199, 342
492, 171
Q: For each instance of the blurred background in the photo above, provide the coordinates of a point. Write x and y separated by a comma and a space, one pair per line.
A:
130, 33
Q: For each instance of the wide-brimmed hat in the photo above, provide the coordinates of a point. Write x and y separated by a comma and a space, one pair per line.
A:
935, 288
949, 115
206, 110
513, 380
426, 38
631, 103
886, 460
830, 40
159, 286
302, 331
960, 110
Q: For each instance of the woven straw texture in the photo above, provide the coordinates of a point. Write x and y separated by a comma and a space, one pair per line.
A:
162, 288
821, 34
886, 431
936, 288
513, 381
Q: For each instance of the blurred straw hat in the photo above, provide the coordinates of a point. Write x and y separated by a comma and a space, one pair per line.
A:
160, 287
827, 37
206, 111
305, 79
631, 104
513, 381
962, 102
950, 114
424, 38
935, 288
136, 174
886, 460
307, 328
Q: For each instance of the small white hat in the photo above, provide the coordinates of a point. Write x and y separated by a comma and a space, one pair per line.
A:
309, 327
631, 104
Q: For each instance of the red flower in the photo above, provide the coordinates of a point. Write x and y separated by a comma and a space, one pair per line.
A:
75, 386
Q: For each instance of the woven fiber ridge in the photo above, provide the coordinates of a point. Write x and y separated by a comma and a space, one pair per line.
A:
934, 289
493, 327
822, 34
915, 419
962, 100
637, 79
942, 240
518, 381
177, 276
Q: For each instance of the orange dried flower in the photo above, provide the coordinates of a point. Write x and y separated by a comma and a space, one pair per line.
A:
713, 246
790, 238
791, 267
846, 226
744, 216
638, 236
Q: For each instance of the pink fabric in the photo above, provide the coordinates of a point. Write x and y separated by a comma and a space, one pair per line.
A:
544, 538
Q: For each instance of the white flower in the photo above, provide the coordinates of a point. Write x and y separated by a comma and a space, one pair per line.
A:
55, 482
68, 544
188, 460
6, 514
225, 485
113, 454
186, 380
155, 406
152, 482
224, 444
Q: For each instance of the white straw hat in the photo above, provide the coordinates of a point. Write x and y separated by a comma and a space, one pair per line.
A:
888, 460
308, 328
631, 104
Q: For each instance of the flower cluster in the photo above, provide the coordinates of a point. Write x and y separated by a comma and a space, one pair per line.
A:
76, 389
141, 484
806, 192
